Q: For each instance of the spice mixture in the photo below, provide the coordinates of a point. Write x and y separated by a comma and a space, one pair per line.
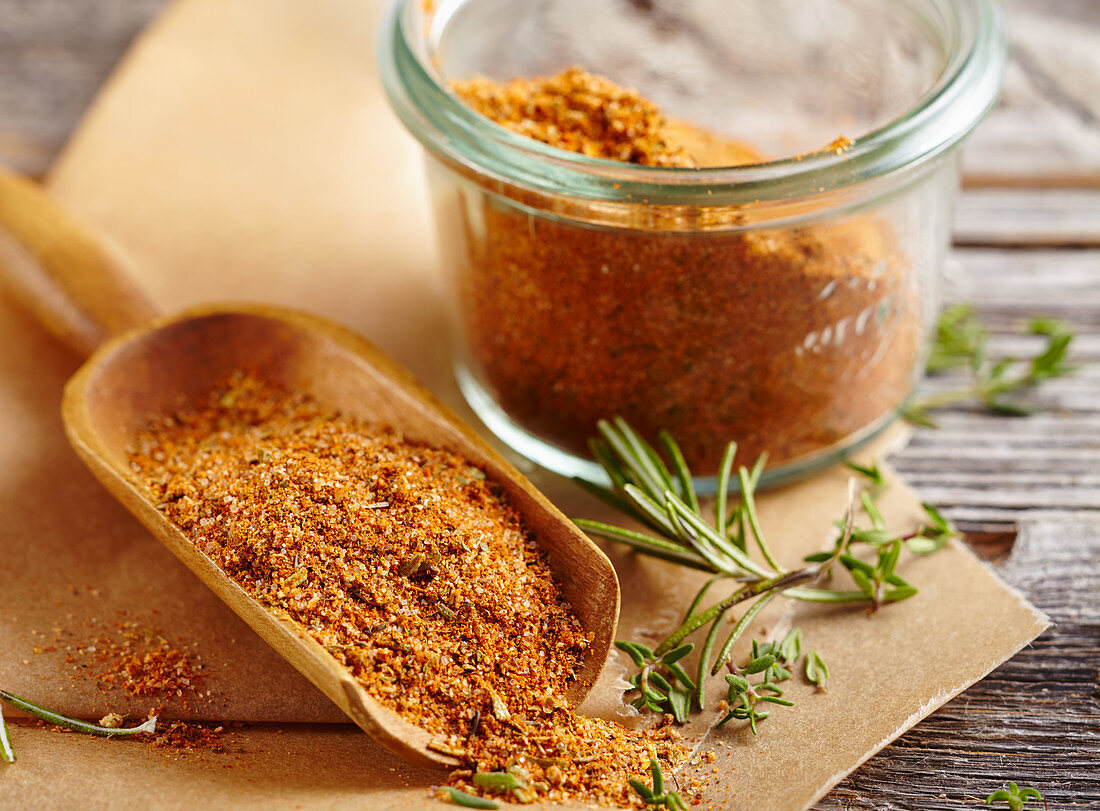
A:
787, 339
126, 654
409, 566
140, 661
580, 112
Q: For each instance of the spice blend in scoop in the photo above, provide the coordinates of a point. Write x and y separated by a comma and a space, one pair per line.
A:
409, 566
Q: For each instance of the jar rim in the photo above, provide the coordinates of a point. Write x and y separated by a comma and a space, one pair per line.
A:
971, 31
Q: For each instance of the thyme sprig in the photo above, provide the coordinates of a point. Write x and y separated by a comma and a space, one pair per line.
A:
148, 727
658, 795
769, 659
670, 692
1017, 797
960, 341
660, 496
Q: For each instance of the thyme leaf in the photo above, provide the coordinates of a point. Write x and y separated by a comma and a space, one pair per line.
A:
468, 800
513, 781
871, 472
816, 671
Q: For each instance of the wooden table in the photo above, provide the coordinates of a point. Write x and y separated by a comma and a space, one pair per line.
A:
1026, 491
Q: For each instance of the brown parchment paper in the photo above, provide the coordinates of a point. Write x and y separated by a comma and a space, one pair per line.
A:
244, 150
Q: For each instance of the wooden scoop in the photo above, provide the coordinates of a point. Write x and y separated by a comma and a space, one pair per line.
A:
148, 368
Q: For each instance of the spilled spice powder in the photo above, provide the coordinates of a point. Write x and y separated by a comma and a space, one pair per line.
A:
140, 661
128, 655
787, 339
188, 735
409, 566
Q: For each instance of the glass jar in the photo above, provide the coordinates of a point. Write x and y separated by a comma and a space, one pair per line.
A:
782, 303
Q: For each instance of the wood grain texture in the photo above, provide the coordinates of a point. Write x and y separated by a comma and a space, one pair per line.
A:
1028, 217
1046, 127
1036, 719
1029, 223
54, 54
51, 265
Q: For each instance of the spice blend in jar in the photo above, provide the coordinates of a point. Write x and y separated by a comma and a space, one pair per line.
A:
787, 339
409, 566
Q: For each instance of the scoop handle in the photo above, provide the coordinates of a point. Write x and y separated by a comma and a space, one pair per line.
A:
59, 272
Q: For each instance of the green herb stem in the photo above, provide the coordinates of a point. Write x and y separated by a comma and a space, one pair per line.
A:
739, 629
700, 595
149, 727
7, 753
746, 592
468, 800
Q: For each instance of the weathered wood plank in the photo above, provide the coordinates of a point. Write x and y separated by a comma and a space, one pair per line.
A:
1035, 720
1047, 124
54, 54
1009, 286
1029, 217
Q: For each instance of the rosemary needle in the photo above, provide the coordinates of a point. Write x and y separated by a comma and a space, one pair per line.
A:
7, 754
52, 717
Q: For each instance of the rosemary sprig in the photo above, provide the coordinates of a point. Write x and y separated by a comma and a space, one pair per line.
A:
658, 795
661, 497
149, 727
7, 754
960, 341
1017, 797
